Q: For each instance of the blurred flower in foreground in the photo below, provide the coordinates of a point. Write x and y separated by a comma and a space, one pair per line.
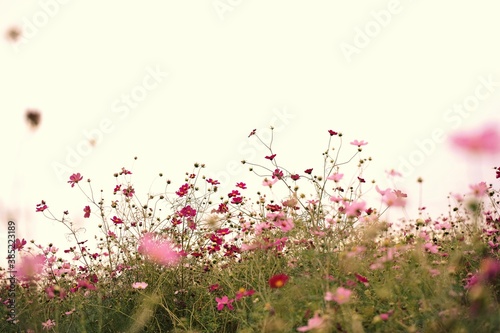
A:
485, 140
30, 267
158, 250
33, 117
13, 34
313, 323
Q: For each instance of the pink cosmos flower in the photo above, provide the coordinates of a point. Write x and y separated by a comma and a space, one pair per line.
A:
485, 140
432, 248
359, 143
285, 224
158, 250
74, 179
48, 324
67, 313
385, 316
224, 301
139, 285
313, 323
340, 296
393, 173
354, 209
270, 183
336, 177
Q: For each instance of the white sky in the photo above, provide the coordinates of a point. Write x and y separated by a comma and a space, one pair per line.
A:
233, 66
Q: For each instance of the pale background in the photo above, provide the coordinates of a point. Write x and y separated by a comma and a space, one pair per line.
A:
232, 66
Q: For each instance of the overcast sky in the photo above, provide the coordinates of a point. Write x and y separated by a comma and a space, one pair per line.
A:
178, 82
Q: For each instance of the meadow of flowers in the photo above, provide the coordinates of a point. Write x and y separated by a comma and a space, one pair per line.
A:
322, 258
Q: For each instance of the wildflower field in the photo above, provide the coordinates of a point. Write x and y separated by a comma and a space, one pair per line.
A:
322, 258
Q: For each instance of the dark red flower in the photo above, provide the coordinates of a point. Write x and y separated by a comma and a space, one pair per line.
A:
271, 157
86, 210
252, 133
129, 191
278, 174
308, 171
361, 278
295, 177
125, 172
278, 281
332, 133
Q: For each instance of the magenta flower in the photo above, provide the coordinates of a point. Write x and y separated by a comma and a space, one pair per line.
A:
74, 179
224, 301
116, 220
19, 244
484, 140
241, 185
41, 206
340, 296
183, 190
129, 191
242, 292
315, 322
271, 157
158, 250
